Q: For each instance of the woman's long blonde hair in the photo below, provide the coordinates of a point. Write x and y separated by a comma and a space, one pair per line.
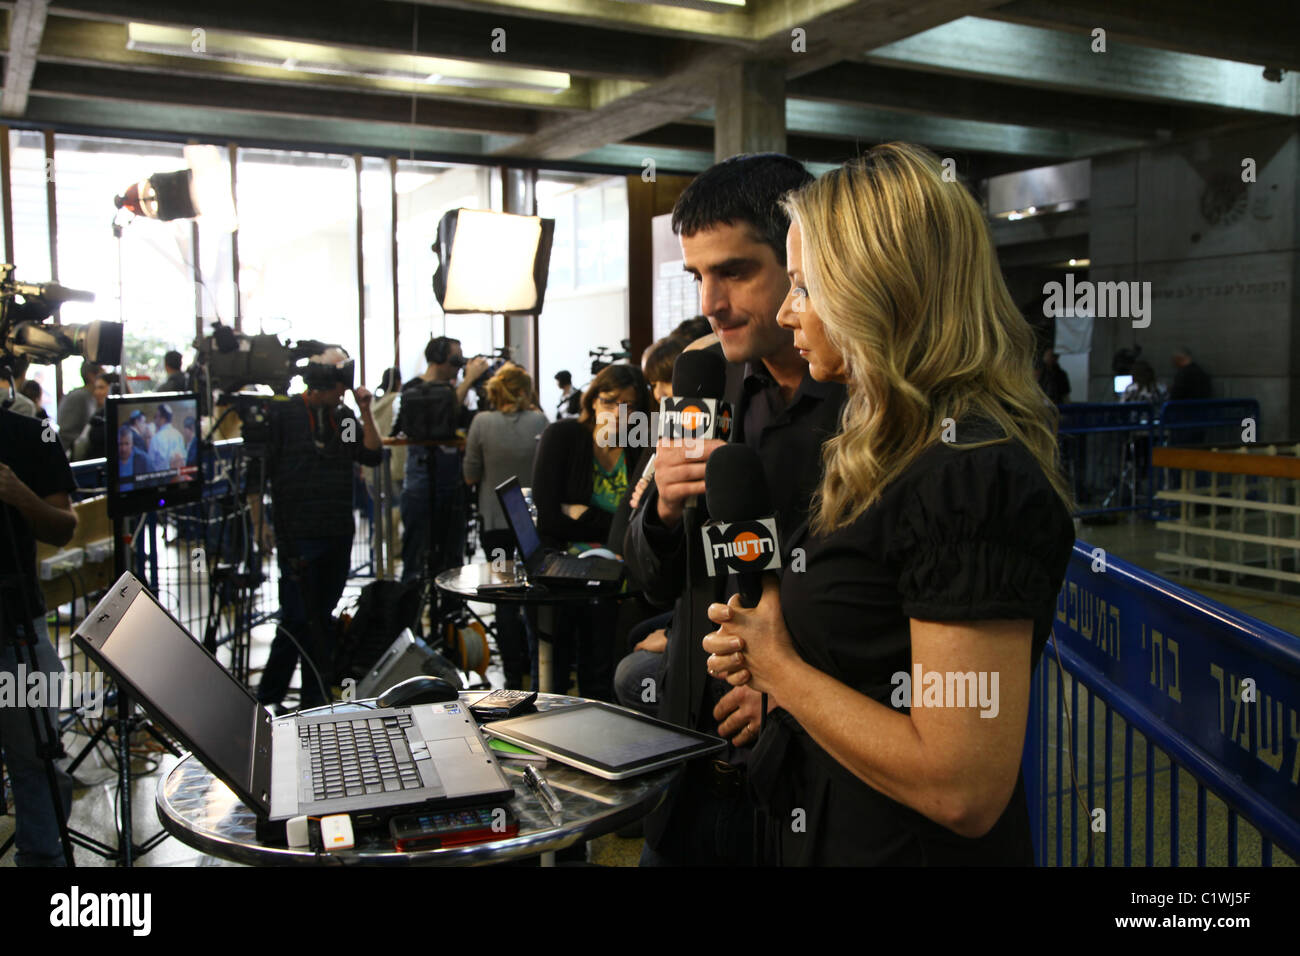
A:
900, 269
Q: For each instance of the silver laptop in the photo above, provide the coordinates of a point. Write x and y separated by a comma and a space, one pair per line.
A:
370, 762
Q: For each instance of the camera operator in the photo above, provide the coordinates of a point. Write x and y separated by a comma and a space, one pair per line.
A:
446, 495
35, 480
314, 444
77, 406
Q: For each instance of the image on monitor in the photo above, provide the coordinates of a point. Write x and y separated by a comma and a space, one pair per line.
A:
156, 449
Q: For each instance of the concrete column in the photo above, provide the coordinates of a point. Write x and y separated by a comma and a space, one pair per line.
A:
750, 114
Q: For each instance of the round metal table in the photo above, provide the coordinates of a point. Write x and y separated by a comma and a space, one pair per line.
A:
202, 812
465, 582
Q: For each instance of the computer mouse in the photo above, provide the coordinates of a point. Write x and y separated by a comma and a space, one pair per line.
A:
419, 690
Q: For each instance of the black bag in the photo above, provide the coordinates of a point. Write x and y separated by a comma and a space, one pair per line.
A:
383, 610
429, 411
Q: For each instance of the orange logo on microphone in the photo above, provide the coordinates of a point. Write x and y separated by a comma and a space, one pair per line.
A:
694, 418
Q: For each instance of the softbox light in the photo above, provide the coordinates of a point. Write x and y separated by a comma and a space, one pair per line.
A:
492, 262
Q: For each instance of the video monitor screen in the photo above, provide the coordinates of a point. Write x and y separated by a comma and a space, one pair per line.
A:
155, 451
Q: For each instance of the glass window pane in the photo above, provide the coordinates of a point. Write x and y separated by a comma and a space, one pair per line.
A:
297, 246
377, 228
145, 278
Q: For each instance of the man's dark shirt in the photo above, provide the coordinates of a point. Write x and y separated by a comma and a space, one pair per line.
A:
175, 382
1191, 381
41, 466
309, 466
788, 438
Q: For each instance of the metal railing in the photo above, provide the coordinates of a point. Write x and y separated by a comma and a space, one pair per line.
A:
1189, 714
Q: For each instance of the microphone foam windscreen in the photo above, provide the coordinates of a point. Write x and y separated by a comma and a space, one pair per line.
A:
735, 486
699, 374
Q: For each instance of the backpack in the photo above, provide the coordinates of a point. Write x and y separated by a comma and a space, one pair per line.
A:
428, 411
383, 610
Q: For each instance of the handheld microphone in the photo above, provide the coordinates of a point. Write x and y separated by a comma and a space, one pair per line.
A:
743, 536
695, 410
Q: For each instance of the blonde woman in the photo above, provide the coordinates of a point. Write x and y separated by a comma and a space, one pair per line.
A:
935, 547
502, 444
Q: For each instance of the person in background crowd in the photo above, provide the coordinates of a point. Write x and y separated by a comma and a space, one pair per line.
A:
32, 391
446, 496
92, 442
570, 405
77, 407
931, 547
1190, 380
168, 448
310, 467
580, 478
1053, 380
502, 444
175, 380
21, 402
1144, 387
692, 329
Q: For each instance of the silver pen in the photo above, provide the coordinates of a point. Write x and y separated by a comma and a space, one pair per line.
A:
538, 783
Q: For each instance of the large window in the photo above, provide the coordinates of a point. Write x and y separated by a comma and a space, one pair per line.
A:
424, 193
145, 278
297, 245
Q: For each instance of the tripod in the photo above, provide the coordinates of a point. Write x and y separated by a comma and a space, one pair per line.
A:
125, 723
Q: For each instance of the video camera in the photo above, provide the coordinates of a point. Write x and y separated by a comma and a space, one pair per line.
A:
25, 308
234, 360
603, 357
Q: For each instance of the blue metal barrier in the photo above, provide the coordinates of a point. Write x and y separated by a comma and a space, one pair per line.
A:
1106, 455
1173, 668
1207, 421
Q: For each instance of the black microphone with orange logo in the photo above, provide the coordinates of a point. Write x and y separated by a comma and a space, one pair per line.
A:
742, 537
695, 410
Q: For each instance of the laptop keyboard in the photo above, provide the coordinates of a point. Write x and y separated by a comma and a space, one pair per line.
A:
362, 756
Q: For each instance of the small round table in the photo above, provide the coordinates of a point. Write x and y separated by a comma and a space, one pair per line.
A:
202, 812
464, 582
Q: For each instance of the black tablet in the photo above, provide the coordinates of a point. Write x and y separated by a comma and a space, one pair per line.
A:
608, 741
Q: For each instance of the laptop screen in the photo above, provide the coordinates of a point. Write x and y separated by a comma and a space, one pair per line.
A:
521, 520
210, 709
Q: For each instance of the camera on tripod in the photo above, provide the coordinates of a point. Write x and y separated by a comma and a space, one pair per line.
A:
603, 357
25, 329
231, 361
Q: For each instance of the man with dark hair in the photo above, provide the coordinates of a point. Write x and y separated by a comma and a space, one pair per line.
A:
732, 232
436, 508
314, 444
1190, 380
77, 406
175, 381
570, 405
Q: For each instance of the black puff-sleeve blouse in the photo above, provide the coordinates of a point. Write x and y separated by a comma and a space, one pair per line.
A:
965, 534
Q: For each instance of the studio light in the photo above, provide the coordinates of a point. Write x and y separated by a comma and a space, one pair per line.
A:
202, 189
492, 262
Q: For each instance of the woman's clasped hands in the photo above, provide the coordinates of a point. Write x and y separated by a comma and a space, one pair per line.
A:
751, 645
